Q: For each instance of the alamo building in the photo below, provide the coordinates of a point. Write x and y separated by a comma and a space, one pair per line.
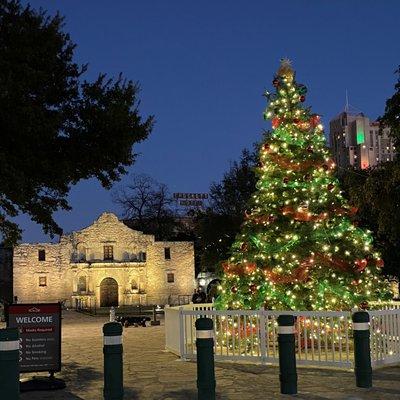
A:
106, 264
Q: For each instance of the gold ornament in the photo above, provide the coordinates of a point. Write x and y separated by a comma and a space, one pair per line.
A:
285, 70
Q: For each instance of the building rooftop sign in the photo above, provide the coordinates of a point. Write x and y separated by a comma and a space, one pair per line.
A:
191, 199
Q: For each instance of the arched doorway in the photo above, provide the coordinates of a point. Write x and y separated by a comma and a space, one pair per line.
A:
108, 292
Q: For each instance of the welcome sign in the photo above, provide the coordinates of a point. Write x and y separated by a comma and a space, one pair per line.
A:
40, 335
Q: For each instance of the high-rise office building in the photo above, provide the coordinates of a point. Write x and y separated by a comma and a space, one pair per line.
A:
356, 141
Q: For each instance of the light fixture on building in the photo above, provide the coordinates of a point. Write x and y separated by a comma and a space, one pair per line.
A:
202, 282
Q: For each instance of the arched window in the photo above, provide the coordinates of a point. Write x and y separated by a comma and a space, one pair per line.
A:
82, 284
80, 252
134, 285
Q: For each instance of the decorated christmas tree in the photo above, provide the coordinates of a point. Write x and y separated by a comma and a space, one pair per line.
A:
298, 248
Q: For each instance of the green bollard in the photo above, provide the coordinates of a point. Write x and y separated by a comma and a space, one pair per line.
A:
113, 363
9, 363
287, 354
205, 359
362, 349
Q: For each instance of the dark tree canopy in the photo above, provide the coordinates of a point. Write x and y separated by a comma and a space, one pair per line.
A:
217, 227
376, 194
146, 206
56, 128
391, 118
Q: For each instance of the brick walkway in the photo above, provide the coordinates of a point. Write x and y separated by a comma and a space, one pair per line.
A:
150, 373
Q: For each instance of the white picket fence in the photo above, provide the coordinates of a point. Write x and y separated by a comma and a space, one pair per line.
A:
323, 338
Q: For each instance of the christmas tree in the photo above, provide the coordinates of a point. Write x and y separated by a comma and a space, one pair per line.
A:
298, 248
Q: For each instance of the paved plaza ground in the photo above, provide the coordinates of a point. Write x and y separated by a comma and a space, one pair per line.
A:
150, 373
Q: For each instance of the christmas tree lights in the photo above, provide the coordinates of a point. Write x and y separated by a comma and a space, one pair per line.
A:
298, 248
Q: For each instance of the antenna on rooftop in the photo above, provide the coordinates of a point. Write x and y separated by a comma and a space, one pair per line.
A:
350, 109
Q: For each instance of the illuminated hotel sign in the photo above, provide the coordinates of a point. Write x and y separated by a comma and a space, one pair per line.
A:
360, 135
39, 328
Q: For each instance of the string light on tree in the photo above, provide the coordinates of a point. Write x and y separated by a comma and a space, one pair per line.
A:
299, 248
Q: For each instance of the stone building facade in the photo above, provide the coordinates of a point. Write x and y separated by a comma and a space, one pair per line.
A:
6, 294
104, 264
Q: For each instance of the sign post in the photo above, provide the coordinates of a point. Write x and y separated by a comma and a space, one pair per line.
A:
39, 328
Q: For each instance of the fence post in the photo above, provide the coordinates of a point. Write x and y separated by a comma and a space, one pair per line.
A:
9, 363
154, 322
362, 349
112, 314
182, 338
263, 344
113, 363
205, 359
287, 354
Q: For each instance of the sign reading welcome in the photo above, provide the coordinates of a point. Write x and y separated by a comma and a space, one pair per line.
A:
39, 328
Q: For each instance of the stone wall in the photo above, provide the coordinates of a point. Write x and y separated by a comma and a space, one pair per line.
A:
40, 281
108, 230
180, 264
6, 275
139, 266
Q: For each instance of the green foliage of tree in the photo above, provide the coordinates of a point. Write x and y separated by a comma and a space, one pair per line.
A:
216, 228
56, 128
376, 194
298, 247
391, 117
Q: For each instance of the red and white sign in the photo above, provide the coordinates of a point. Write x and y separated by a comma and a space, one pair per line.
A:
40, 335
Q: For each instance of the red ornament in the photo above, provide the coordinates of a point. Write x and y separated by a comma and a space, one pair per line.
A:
285, 179
353, 210
275, 122
296, 120
361, 264
234, 289
315, 120
330, 186
253, 287
364, 305
266, 147
310, 149
302, 98
380, 263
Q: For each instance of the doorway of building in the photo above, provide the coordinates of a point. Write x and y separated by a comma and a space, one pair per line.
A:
108, 293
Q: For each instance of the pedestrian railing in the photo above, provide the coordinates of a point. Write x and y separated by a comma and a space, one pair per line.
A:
322, 338
385, 337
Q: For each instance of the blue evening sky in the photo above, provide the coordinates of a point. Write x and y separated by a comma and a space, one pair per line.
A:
203, 66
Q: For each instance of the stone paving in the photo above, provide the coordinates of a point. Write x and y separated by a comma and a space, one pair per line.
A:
150, 373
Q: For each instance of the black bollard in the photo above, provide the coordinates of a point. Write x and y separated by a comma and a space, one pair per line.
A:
287, 354
113, 363
9, 364
362, 349
205, 359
